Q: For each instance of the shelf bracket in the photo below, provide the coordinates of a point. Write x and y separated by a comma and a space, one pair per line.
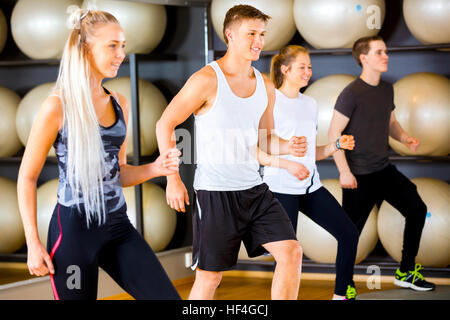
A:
134, 82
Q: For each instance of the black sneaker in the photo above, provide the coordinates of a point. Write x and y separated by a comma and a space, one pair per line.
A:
413, 279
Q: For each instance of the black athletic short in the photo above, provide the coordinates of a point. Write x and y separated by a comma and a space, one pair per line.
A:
222, 219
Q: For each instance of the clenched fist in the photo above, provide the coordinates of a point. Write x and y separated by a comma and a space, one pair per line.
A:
346, 142
298, 146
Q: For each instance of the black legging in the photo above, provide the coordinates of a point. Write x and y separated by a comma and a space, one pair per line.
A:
391, 185
77, 252
323, 209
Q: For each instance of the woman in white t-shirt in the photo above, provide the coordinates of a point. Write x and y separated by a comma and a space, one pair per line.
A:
295, 180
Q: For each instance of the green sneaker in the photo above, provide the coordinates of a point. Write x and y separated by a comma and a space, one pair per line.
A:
351, 293
413, 279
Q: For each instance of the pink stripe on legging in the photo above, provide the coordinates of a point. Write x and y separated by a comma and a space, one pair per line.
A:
55, 247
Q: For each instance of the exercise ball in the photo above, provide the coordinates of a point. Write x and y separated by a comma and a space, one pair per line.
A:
320, 246
3, 30
337, 24
9, 140
280, 28
144, 24
242, 255
12, 236
434, 249
422, 103
46, 200
129, 195
428, 21
28, 109
326, 91
151, 106
159, 220
39, 27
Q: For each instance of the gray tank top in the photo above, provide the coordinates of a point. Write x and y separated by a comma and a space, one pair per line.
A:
113, 138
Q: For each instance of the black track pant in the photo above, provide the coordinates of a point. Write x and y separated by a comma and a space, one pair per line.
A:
77, 252
391, 185
323, 209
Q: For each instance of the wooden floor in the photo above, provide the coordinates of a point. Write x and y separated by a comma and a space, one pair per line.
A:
236, 288
12, 272
250, 285
245, 285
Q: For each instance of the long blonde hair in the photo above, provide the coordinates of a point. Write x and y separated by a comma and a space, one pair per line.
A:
85, 153
285, 57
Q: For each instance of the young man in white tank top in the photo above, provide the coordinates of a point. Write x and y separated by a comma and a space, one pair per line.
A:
233, 108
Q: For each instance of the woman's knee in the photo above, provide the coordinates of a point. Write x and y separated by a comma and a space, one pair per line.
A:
348, 236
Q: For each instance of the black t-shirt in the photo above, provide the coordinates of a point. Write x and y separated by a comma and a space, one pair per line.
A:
369, 109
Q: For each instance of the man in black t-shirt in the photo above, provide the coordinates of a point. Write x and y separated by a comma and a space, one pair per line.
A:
364, 109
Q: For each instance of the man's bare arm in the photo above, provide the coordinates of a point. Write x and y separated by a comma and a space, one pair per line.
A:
195, 95
268, 141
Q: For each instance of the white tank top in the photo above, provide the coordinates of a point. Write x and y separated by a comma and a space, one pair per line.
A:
226, 138
295, 117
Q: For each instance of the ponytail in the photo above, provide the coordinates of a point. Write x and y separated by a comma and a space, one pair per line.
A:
276, 75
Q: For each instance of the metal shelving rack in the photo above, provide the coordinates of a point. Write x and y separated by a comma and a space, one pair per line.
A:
134, 76
218, 53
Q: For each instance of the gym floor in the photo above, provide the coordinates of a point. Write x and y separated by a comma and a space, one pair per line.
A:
255, 285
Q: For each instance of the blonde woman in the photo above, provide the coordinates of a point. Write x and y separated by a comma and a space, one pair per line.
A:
87, 126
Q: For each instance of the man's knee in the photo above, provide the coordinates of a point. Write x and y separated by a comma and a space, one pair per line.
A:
289, 252
415, 209
208, 278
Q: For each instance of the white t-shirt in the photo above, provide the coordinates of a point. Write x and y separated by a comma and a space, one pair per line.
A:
295, 117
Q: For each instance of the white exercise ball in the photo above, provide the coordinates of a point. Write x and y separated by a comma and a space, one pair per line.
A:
3, 30
243, 255
280, 28
144, 24
9, 140
151, 106
159, 220
337, 24
428, 21
129, 195
46, 200
12, 236
320, 246
39, 27
326, 91
434, 248
28, 109
422, 102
